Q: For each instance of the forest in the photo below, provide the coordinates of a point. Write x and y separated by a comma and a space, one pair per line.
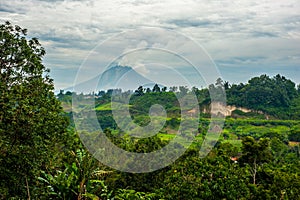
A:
257, 155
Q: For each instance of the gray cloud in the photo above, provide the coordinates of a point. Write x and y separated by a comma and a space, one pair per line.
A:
233, 32
193, 23
7, 10
264, 34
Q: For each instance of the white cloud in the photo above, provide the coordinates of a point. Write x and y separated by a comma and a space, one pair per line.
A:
233, 32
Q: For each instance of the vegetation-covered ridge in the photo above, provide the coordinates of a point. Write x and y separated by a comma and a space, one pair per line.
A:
276, 97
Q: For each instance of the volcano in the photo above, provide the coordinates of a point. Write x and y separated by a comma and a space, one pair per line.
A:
115, 77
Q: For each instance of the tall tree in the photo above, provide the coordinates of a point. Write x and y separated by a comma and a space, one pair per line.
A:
156, 88
255, 153
31, 120
139, 91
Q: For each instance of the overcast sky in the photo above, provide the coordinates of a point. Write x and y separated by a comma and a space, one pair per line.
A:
244, 38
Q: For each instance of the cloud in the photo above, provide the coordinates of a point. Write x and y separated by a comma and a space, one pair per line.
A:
230, 31
193, 22
4, 9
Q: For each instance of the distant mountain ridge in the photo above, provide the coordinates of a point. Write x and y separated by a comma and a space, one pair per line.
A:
117, 76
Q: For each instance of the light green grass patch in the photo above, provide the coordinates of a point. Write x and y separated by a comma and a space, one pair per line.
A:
107, 106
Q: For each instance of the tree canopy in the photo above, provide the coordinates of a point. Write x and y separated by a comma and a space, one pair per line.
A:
271, 95
32, 124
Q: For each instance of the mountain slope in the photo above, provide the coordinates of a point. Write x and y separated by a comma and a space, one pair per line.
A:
123, 77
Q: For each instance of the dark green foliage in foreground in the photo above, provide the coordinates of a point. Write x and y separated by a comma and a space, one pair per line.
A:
190, 177
32, 124
218, 177
40, 158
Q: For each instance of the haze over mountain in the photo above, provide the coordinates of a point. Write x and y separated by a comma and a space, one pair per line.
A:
117, 76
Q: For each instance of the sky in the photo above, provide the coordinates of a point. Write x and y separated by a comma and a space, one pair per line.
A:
241, 38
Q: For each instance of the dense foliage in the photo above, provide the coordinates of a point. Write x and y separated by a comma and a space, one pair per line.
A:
276, 96
32, 124
256, 157
41, 157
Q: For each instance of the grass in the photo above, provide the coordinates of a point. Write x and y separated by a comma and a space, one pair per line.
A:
103, 107
107, 106
166, 136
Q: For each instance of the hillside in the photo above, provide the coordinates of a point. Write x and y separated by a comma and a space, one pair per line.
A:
256, 157
255, 109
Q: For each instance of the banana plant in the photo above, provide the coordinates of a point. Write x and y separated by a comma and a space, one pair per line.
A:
82, 179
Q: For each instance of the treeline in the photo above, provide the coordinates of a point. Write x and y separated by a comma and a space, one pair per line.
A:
274, 96
277, 96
